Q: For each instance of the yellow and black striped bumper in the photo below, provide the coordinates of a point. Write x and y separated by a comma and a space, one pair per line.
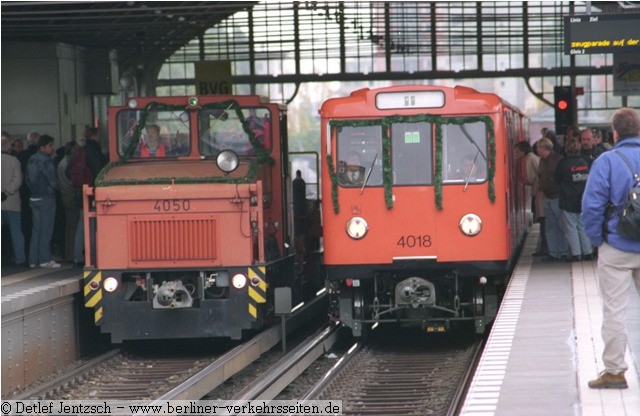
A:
257, 293
93, 298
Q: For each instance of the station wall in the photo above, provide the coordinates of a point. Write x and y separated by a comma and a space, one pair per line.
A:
45, 87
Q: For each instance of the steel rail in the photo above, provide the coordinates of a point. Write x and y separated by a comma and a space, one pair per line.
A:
317, 389
463, 387
290, 366
238, 358
43, 390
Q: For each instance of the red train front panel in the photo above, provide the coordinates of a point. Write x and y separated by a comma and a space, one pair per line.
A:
186, 226
416, 219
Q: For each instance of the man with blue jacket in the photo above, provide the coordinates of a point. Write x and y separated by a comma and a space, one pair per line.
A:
618, 257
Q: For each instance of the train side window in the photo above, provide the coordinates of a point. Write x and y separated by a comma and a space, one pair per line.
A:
464, 152
359, 156
411, 149
221, 129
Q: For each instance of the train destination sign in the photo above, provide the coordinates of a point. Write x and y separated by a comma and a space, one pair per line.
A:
602, 33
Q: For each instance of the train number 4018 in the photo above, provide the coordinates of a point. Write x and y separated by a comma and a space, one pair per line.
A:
410, 241
166, 205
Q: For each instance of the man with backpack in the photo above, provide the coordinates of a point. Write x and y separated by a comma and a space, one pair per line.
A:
609, 183
83, 170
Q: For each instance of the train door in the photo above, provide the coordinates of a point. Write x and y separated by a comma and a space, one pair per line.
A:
306, 215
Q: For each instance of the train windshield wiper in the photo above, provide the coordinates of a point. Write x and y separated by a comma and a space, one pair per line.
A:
468, 136
366, 179
466, 182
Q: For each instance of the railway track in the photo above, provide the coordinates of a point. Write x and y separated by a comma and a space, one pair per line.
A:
122, 375
400, 373
159, 375
396, 376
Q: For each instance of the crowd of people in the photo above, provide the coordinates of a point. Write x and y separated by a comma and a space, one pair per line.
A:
557, 175
41, 206
583, 186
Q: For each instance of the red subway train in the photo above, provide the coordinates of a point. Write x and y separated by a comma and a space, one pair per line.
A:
423, 207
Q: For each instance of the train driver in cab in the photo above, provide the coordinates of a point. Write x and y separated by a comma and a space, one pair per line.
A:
352, 174
472, 169
152, 147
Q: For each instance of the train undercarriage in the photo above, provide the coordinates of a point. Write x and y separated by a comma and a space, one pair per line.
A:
156, 304
436, 302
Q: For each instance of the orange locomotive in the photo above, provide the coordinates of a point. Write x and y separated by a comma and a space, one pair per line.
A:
188, 227
423, 207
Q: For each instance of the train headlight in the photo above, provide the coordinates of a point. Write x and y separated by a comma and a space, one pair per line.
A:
470, 225
227, 161
110, 284
239, 281
357, 228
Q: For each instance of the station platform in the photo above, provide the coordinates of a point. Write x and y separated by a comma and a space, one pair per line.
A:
40, 323
23, 287
545, 346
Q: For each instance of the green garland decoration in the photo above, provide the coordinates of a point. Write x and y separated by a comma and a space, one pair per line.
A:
334, 184
262, 156
438, 178
491, 162
438, 121
387, 172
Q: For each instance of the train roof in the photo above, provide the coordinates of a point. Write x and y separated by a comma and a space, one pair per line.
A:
243, 100
456, 100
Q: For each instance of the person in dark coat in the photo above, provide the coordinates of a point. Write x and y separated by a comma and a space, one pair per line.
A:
572, 173
556, 241
95, 161
43, 183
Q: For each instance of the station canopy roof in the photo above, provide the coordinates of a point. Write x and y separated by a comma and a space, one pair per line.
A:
140, 31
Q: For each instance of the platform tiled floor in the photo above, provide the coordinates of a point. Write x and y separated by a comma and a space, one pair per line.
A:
545, 346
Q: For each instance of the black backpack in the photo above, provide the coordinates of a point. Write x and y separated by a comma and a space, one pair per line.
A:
629, 216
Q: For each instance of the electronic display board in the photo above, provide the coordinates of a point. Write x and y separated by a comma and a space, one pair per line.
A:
602, 33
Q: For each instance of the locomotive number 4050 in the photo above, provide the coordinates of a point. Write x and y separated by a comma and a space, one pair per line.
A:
166, 205
410, 241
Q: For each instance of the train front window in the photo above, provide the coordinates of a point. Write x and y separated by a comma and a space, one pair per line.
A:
222, 129
164, 133
359, 156
411, 153
464, 153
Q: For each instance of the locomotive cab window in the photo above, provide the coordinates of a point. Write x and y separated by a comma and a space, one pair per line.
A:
464, 153
164, 133
359, 156
222, 129
411, 146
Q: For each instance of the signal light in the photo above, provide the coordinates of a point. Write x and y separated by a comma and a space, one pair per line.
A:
565, 108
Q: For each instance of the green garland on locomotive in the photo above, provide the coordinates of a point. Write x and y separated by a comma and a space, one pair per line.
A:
262, 156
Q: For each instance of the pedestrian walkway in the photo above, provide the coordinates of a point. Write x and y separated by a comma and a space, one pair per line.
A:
545, 346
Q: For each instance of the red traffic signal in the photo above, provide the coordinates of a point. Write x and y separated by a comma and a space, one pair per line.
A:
565, 108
